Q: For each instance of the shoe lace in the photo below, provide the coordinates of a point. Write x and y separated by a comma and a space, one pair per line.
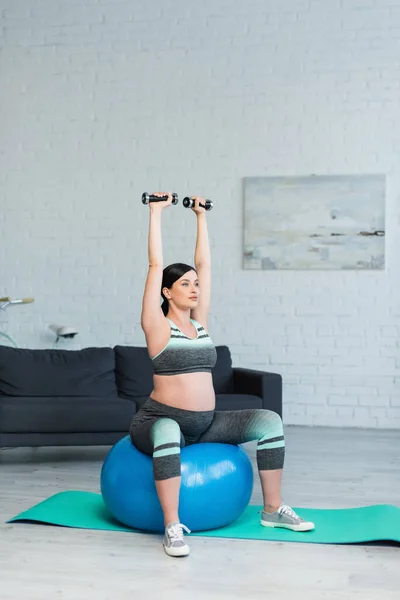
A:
175, 532
284, 509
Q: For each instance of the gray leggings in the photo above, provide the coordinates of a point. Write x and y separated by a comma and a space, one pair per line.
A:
161, 431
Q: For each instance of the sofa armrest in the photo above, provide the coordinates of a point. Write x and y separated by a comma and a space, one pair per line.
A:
267, 386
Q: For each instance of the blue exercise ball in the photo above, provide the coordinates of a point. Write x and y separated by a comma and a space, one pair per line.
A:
217, 482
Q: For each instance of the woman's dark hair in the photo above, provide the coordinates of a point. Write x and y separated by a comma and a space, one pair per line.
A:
171, 274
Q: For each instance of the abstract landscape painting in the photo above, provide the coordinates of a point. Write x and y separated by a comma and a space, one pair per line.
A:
314, 222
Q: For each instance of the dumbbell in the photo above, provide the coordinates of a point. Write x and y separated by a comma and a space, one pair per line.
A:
146, 198
189, 203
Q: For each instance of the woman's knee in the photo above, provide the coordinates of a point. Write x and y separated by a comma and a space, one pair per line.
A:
167, 440
165, 431
270, 423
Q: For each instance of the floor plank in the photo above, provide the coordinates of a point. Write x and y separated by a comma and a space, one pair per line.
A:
326, 468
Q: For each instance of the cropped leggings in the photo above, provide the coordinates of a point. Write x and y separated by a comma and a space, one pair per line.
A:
161, 431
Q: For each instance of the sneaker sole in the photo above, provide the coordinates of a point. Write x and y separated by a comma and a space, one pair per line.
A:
177, 552
301, 527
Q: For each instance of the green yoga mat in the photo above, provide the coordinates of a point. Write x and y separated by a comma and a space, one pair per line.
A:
86, 510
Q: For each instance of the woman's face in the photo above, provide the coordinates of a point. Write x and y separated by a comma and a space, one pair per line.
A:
185, 292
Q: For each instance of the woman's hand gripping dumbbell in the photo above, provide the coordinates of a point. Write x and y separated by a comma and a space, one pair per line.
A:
164, 197
189, 202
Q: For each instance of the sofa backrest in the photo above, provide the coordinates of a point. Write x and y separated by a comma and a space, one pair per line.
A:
88, 372
126, 371
134, 371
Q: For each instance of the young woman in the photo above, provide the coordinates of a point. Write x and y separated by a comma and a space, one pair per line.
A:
181, 407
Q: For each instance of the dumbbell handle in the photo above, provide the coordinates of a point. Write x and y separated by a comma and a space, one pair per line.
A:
189, 202
146, 198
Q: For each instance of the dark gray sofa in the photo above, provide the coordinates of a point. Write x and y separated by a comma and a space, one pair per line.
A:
88, 397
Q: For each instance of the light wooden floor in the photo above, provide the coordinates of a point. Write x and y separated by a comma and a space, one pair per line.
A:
324, 468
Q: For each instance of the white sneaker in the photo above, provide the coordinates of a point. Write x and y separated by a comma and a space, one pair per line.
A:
286, 517
174, 541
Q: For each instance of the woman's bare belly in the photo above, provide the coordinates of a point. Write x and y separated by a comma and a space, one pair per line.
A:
191, 391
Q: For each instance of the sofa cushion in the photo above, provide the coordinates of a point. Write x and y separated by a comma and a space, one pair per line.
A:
237, 401
47, 373
222, 373
134, 371
65, 415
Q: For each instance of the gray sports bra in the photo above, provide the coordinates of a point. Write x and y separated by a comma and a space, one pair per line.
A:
185, 355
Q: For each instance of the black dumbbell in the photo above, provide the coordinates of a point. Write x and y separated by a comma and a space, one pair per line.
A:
189, 203
146, 198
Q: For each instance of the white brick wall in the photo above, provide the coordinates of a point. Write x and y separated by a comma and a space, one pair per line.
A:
102, 100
